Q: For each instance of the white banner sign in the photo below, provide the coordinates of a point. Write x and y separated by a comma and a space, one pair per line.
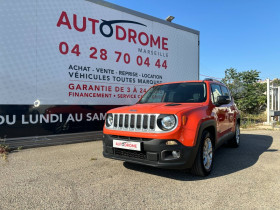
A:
79, 52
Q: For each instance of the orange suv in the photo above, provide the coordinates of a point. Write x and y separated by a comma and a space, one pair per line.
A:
174, 125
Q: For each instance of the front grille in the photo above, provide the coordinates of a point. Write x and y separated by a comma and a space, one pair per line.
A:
131, 154
132, 121
152, 121
137, 122
115, 120
145, 122
126, 121
121, 120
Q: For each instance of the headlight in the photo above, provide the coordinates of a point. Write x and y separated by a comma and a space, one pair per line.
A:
166, 122
109, 120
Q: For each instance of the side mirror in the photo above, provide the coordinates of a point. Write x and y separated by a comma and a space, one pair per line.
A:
223, 100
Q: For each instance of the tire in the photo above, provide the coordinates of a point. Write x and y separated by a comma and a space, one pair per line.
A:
204, 158
235, 141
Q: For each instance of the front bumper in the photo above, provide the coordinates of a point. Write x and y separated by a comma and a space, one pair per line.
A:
154, 152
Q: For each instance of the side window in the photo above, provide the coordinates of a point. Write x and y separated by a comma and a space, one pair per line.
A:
225, 91
215, 92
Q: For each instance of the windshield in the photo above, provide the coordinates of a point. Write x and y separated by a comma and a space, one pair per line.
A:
192, 92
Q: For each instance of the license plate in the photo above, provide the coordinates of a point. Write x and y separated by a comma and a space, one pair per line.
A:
130, 145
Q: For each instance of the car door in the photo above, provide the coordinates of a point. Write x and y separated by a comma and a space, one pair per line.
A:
219, 111
230, 109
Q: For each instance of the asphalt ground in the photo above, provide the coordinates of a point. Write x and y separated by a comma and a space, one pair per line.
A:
77, 176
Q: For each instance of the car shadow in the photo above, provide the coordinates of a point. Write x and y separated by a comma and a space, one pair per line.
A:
227, 160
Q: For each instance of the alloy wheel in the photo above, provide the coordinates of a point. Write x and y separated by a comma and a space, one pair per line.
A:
207, 153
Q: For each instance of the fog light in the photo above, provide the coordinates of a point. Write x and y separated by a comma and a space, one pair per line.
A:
171, 143
176, 154
170, 155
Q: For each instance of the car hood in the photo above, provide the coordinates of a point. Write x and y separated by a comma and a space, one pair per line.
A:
156, 108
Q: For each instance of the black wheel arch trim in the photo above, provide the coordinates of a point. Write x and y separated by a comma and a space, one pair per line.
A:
202, 126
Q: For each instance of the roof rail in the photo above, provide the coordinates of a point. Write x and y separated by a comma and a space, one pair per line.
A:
210, 79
